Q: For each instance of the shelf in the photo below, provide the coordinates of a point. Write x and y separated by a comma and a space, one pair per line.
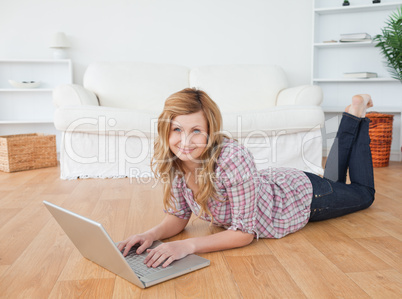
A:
385, 109
345, 45
26, 89
50, 72
341, 80
16, 122
36, 60
358, 8
23, 109
331, 60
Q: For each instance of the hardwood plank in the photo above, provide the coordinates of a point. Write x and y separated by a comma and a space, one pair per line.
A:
35, 271
58, 186
22, 196
262, 276
384, 203
146, 209
112, 214
9, 181
41, 175
84, 197
58, 199
380, 284
7, 214
340, 249
356, 225
116, 189
312, 271
89, 288
214, 281
388, 249
21, 230
79, 268
3, 269
125, 289
386, 222
385, 187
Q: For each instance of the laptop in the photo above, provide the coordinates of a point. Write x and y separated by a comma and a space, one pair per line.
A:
95, 244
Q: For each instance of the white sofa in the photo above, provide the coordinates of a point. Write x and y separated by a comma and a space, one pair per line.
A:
109, 124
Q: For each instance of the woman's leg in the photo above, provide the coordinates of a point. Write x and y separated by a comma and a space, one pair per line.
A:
360, 163
339, 156
332, 196
337, 163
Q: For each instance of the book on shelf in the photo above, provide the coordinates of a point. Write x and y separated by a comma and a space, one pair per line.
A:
355, 37
360, 75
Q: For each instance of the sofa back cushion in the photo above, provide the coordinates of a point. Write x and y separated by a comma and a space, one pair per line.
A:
134, 85
238, 88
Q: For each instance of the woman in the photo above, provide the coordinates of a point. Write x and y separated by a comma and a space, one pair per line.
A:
214, 177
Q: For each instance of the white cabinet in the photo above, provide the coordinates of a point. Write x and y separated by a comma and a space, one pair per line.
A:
30, 110
331, 60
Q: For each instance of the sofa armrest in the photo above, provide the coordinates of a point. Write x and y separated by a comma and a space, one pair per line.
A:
73, 94
300, 95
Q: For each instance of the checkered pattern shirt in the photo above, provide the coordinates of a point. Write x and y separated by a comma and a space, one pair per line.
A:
269, 203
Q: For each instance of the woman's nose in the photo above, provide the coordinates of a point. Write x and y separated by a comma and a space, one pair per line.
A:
185, 140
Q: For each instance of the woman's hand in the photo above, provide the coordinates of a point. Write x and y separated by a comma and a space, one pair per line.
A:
169, 227
145, 240
168, 252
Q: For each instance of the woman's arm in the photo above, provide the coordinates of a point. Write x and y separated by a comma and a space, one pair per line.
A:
169, 227
178, 249
227, 239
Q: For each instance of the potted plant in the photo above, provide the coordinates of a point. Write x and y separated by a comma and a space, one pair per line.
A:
390, 44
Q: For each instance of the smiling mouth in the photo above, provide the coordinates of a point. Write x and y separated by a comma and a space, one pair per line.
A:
186, 151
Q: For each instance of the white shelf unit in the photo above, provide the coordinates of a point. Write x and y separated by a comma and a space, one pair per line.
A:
346, 80
331, 60
30, 110
357, 6
344, 45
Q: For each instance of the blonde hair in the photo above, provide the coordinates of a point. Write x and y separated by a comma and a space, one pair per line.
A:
165, 164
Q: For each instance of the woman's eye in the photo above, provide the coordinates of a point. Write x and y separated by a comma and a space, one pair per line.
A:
197, 131
176, 129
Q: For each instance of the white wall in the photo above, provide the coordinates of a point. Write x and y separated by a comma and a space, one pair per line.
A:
186, 32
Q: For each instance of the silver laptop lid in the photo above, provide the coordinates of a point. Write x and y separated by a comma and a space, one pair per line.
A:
93, 242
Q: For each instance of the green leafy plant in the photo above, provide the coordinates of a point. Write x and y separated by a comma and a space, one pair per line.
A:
390, 44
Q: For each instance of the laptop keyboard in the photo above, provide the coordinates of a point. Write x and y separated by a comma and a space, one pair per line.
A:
136, 262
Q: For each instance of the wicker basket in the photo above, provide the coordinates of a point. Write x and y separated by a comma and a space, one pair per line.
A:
381, 137
27, 151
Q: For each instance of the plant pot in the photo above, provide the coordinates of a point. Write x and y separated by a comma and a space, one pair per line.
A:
380, 132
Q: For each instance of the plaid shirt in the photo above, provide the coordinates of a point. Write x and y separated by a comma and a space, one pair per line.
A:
269, 203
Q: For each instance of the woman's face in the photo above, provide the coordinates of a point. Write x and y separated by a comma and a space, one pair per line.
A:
188, 137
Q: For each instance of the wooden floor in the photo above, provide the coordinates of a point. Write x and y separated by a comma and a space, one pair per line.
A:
356, 256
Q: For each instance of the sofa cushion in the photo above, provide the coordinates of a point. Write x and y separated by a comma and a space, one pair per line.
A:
135, 85
278, 120
104, 120
240, 87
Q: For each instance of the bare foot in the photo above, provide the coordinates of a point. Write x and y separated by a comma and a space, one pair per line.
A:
359, 105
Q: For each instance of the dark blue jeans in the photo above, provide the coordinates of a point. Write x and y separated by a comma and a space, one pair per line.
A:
332, 197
